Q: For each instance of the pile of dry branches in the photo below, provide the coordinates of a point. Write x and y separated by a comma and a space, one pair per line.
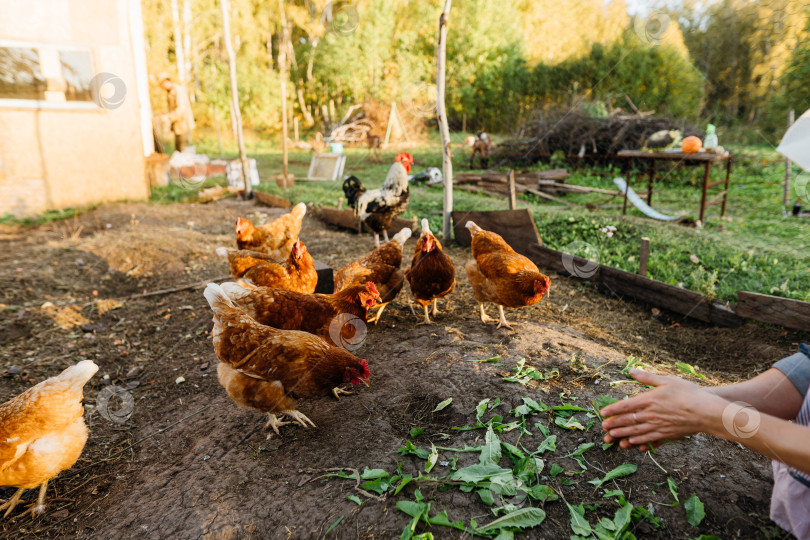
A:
579, 135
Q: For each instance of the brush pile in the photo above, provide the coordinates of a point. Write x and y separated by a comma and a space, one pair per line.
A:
578, 135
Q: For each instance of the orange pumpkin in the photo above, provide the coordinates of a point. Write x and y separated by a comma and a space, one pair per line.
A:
691, 145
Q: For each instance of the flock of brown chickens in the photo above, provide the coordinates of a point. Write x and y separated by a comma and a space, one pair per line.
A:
276, 339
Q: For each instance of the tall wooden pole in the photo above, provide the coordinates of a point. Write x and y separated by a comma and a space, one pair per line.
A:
179, 55
788, 171
237, 115
282, 71
444, 129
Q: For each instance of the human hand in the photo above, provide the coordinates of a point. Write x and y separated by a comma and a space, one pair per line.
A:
674, 409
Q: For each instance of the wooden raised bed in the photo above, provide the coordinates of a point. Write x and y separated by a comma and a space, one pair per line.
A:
774, 310
346, 219
272, 200
515, 226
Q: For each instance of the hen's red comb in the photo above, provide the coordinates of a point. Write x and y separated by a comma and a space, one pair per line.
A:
366, 372
372, 287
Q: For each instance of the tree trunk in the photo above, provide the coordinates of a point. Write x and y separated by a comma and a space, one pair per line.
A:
282, 69
187, 60
237, 115
441, 111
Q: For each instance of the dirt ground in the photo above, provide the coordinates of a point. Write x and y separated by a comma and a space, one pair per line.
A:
188, 463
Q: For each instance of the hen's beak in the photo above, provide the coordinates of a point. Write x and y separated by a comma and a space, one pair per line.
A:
365, 381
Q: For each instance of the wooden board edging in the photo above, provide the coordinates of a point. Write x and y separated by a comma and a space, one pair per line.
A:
642, 288
515, 226
765, 308
348, 220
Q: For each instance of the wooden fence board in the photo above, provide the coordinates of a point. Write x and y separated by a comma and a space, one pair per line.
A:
515, 226
774, 310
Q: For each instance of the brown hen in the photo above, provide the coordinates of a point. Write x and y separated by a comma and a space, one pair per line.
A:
267, 369
500, 275
297, 273
275, 238
431, 274
334, 317
381, 267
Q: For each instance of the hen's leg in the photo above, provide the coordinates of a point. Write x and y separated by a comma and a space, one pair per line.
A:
484, 317
376, 240
435, 307
12, 502
377, 315
502, 320
299, 417
427, 317
275, 423
39, 507
337, 391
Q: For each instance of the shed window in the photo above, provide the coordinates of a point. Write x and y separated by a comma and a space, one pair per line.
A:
46, 74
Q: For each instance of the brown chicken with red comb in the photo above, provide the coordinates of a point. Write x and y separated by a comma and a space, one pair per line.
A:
334, 317
500, 275
267, 369
275, 238
432, 273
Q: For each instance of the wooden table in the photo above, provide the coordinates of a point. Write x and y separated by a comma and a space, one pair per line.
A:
700, 158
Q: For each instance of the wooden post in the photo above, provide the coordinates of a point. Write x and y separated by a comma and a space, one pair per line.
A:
282, 68
643, 256
441, 112
788, 166
464, 123
510, 179
295, 128
706, 177
178, 43
237, 115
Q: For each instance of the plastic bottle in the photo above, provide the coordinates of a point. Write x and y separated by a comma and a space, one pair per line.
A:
710, 143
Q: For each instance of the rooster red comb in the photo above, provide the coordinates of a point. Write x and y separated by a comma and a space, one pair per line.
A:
366, 372
372, 288
404, 156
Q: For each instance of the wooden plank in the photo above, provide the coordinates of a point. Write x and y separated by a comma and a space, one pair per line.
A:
641, 288
348, 220
546, 196
774, 310
699, 157
512, 193
272, 200
557, 186
515, 226
643, 256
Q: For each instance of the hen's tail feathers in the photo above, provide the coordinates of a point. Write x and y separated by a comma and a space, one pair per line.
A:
234, 291
222, 251
474, 229
425, 225
402, 236
299, 210
353, 188
78, 375
217, 298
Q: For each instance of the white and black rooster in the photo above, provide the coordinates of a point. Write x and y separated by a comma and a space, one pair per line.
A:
378, 207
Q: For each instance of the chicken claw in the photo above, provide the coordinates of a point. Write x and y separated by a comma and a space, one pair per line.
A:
275, 422
337, 391
12, 502
299, 417
39, 507
435, 307
502, 321
484, 317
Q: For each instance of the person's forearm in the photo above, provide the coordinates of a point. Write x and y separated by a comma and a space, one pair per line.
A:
768, 435
770, 392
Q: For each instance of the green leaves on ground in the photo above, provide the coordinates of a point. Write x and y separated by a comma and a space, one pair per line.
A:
689, 369
622, 470
524, 374
694, 510
524, 518
443, 404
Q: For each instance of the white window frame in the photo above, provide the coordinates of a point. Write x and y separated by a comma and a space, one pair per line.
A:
38, 104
